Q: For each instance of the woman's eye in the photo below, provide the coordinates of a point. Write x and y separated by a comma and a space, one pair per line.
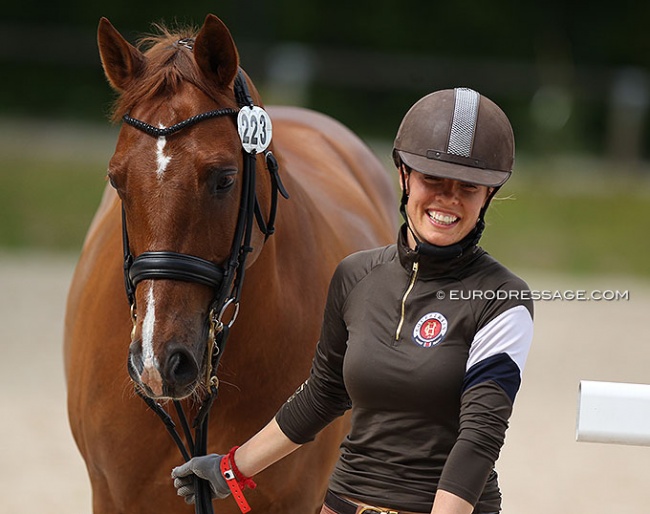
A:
469, 187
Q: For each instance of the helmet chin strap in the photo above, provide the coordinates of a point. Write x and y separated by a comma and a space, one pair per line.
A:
450, 251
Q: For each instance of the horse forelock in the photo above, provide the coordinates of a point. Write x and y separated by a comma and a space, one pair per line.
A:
168, 65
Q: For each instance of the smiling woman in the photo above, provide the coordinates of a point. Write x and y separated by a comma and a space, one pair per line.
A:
430, 382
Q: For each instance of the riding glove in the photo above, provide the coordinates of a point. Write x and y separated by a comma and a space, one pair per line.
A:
208, 468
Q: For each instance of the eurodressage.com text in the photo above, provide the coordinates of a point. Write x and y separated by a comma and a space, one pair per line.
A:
536, 295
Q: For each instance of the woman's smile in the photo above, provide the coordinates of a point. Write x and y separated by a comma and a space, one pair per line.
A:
442, 219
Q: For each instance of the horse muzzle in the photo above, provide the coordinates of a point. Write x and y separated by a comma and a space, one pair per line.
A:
174, 374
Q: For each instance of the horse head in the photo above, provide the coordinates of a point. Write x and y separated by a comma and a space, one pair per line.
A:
179, 172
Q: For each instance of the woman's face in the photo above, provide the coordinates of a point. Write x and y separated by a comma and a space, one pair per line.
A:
442, 211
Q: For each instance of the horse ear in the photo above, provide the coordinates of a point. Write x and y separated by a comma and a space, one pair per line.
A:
121, 60
215, 51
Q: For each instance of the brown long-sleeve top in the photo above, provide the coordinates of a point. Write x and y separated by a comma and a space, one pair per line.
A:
428, 353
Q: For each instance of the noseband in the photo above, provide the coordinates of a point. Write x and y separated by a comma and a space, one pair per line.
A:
226, 280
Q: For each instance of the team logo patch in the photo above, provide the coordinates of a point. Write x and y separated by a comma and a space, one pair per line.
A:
430, 330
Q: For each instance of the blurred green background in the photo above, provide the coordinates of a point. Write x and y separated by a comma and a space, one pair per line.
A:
573, 80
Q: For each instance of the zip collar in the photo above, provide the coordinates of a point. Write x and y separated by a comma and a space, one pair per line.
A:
434, 266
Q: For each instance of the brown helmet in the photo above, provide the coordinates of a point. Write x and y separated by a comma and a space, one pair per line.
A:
457, 134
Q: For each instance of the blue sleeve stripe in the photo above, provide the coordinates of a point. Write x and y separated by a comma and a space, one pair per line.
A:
500, 369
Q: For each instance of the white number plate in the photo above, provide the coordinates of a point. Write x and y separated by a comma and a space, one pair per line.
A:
255, 129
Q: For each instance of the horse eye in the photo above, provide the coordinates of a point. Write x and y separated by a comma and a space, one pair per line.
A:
224, 181
111, 180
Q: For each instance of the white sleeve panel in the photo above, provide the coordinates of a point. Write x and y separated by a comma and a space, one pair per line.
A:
511, 332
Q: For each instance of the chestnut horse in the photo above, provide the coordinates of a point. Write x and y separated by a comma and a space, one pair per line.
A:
173, 204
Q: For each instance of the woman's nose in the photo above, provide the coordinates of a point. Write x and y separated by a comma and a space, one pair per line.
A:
447, 189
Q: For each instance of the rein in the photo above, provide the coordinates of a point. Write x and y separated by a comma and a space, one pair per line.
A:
226, 280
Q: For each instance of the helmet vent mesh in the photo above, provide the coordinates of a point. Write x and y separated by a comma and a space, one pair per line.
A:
463, 124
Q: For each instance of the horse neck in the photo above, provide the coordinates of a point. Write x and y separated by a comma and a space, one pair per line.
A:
284, 293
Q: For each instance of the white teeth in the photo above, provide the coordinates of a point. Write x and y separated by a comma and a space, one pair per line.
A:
445, 219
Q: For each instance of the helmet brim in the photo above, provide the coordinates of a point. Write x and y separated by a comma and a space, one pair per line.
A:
442, 169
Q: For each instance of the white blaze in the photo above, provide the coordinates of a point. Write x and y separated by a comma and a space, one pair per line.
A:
162, 160
148, 357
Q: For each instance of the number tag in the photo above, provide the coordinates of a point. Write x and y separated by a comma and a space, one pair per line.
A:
255, 130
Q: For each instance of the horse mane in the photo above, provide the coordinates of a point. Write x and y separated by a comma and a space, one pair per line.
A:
168, 64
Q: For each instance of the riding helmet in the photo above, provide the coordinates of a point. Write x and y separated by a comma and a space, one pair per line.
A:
457, 134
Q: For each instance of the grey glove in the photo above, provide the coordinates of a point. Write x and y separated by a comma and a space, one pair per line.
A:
208, 468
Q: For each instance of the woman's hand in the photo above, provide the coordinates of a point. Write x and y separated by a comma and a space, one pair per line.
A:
207, 468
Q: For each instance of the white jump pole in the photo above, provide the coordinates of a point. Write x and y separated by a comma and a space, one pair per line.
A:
615, 413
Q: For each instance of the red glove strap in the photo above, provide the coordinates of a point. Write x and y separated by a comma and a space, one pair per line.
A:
243, 480
227, 468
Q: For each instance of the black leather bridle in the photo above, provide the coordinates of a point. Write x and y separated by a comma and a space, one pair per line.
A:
226, 280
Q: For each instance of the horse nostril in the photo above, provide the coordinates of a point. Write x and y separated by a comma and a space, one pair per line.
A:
181, 368
135, 364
